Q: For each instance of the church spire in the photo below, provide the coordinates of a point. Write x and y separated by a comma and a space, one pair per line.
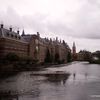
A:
74, 51
74, 44
74, 48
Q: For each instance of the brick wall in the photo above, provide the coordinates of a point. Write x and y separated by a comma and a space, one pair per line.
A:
13, 46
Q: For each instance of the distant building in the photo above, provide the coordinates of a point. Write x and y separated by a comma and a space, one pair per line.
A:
80, 56
84, 55
32, 46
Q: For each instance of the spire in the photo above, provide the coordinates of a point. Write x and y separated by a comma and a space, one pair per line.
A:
74, 51
74, 48
74, 44
23, 33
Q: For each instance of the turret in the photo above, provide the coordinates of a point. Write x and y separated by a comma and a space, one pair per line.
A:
23, 33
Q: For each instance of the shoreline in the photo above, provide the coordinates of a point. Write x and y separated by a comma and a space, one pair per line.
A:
12, 69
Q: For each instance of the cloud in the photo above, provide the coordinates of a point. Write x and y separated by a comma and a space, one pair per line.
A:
34, 22
81, 20
87, 20
72, 20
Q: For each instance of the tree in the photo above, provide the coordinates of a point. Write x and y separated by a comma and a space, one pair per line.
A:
12, 57
57, 57
48, 57
69, 58
86, 55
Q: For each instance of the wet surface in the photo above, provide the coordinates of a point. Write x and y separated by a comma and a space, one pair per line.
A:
76, 81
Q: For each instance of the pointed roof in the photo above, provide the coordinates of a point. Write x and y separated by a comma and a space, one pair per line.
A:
74, 44
23, 33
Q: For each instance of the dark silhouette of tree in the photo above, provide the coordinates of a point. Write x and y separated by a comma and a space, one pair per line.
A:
97, 54
86, 55
48, 57
12, 57
69, 58
56, 57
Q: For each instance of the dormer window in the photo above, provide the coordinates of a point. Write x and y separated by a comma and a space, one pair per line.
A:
12, 35
16, 36
19, 37
7, 33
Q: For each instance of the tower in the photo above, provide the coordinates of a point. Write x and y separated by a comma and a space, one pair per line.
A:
74, 56
74, 48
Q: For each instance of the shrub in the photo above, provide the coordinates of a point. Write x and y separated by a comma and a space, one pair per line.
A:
11, 57
48, 58
57, 58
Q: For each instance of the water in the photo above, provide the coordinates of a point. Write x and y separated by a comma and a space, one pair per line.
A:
82, 84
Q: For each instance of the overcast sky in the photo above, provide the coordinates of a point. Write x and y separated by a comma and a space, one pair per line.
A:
71, 20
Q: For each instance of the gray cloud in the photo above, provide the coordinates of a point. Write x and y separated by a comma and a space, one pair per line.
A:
83, 21
84, 24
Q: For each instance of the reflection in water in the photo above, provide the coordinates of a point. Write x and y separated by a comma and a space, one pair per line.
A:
22, 85
14, 95
48, 86
86, 74
8, 95
74, 76
58, 77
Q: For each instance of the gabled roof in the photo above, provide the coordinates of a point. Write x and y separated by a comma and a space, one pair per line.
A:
27, 38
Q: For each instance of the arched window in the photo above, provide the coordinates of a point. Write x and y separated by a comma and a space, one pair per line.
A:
12, 35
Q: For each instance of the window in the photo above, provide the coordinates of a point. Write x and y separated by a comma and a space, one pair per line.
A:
7, 33
12, 35
16, 36
19, 37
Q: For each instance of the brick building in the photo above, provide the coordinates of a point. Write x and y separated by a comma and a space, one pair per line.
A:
32, 46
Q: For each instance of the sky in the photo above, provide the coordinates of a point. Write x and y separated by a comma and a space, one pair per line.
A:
70, 20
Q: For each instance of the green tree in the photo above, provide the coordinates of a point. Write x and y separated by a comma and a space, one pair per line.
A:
69, 58
48, 57
56, 57
12, 57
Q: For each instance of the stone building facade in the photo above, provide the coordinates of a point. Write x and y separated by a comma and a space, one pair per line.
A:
32, 46
12, 42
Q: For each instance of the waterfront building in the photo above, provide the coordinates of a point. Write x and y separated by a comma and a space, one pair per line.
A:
32, 45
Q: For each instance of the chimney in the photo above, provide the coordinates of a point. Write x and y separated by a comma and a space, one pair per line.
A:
38, 34
1, 25
18, 32
10, 29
